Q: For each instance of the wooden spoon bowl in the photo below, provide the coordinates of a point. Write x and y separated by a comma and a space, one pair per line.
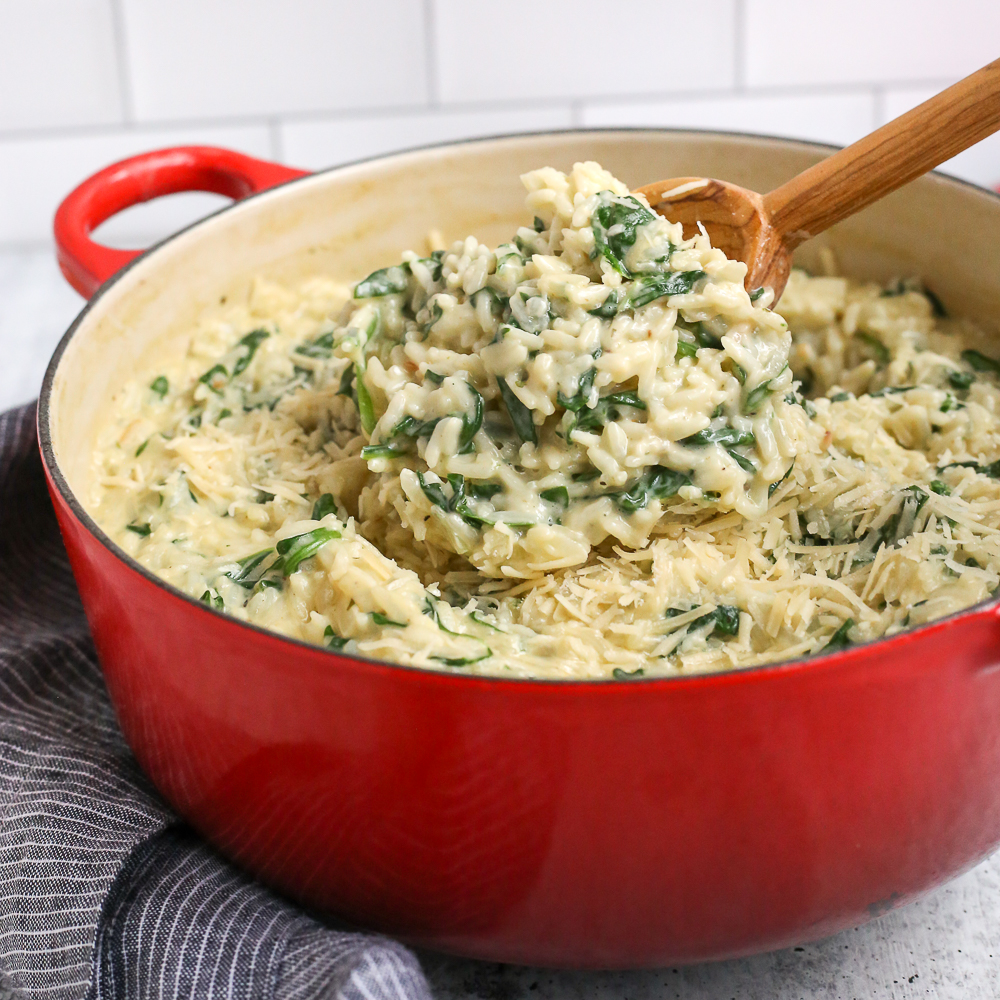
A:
735, 219
764, 230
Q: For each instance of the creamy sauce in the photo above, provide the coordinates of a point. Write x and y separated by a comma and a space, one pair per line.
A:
583, 453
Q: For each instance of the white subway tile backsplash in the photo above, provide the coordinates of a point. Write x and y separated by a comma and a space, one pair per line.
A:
212, 58
36, 308
568, 48
790, 43
980, 164
57, 64
336, 80
836, 118
316, 144
43, 171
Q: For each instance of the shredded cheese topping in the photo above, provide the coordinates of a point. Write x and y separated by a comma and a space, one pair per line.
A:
585, 453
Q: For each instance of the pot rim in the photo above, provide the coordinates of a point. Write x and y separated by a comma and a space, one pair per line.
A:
760, 672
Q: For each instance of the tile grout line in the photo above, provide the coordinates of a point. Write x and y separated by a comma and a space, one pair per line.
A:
456, 107
121, 57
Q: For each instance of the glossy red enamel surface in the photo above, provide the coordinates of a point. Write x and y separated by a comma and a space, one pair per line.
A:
581, 824
577, 824
85, 264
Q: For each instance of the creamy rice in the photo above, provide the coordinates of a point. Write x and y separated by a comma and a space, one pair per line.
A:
586, 453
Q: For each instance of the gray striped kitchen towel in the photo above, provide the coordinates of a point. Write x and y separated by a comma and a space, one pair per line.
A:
104, 893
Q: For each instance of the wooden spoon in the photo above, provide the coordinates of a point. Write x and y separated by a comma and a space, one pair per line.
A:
763, 230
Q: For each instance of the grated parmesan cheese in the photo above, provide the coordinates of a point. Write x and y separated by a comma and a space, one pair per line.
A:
585, 453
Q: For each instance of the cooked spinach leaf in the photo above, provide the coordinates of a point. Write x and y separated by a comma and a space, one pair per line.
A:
481, 621
992, 469
250, 342
380, 619
520, 415
980, 362
366, 408
744, 463
459, 501
432, 263
902, 287
727, 619
430, 608
656, 286
295, 550
210, 376
558, 494
482, 491
728, 437
937, 306
624, 675
250, 569
160, 386
608, 408
774, 486
435, 493
891, 390
213, 600
321, 347
878, 349
471, 424
657, 482
756, 397
498, 303
583, 387
334, 641
608, 309
413, 428
961, 380
615, 221
706, 338
386, 281
914, 498
346, 387
370, 451
323, 506
839, 639
142, 530
462, 661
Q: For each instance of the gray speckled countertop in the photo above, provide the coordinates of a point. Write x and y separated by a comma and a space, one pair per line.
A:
944, 946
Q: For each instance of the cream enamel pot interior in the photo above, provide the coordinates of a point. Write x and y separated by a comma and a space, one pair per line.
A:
598, 824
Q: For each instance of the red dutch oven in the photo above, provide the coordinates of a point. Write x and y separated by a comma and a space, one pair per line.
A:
590, 824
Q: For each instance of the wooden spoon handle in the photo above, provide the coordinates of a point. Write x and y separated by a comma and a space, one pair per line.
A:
887, 159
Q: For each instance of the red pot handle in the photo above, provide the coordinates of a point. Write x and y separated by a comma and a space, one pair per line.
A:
86, 264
